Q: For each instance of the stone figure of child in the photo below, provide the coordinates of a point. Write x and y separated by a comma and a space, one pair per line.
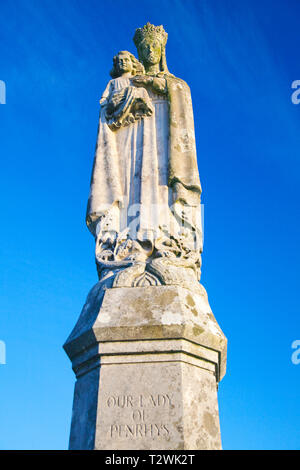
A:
123, 102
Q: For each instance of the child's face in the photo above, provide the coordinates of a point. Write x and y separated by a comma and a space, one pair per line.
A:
124, 63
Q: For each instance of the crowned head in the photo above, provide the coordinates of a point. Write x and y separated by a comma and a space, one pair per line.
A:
151, 42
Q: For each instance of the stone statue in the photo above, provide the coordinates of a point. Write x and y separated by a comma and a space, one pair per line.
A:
144, 204
146, 349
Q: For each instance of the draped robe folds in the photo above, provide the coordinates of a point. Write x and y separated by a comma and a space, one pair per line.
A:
148, 164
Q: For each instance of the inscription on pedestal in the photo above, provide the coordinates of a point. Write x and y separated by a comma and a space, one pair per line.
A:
137, 415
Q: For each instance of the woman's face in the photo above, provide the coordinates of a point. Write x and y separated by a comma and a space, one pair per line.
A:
150, 51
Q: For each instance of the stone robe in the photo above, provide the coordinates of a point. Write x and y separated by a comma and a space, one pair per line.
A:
146, 172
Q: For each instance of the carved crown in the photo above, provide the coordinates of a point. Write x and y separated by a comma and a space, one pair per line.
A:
150, 31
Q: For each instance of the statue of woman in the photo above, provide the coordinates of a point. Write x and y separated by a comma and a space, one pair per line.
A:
144, 204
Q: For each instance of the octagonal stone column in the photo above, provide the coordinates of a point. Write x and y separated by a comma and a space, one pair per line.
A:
147, 362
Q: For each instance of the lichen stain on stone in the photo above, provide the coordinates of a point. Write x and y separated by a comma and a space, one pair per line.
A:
197, 330
142, 305
201, 444
190, 300
191, 305
167, 298
209, 424
145, 305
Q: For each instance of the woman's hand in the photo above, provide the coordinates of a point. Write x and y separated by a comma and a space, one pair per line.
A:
142, 80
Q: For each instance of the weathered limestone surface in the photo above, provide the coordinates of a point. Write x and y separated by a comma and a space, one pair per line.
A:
147, 361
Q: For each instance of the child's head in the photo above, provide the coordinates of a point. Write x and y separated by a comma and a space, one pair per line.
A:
125, 63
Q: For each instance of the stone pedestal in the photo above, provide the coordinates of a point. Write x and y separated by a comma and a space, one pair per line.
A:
147, 361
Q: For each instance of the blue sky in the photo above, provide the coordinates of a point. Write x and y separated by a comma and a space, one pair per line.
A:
240, 59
